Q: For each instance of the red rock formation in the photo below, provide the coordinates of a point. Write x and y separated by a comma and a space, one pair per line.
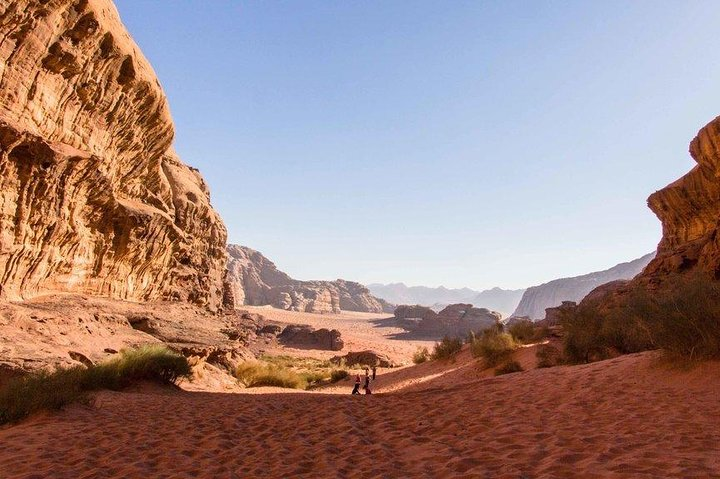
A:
92, 197
689, 209
454, 320
255, 280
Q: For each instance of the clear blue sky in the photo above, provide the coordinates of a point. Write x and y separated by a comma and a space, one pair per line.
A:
473, 144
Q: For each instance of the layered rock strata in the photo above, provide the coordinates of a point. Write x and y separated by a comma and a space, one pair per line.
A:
689, 210
93, 199
255, 280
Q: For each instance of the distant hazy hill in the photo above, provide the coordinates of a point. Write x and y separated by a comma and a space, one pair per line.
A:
496, 299
553, 293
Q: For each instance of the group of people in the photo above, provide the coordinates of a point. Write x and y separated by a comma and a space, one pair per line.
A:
366, 386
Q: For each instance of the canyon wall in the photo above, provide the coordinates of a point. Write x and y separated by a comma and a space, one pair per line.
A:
255, 280
93, 198
537, 298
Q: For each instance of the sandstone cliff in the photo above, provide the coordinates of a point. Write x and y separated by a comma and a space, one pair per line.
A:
255, 280
537, 298
93, 199
689, 210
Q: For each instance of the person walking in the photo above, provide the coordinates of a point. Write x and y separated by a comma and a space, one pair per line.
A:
356, 389
374, 372
367, 379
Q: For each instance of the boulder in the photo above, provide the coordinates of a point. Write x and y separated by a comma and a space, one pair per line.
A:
306, 337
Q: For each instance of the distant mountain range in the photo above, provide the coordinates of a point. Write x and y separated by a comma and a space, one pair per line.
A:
503, 301
553, 293
518, 302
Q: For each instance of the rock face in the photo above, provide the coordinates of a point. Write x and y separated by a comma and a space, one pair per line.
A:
93, 199
456, 320
255, 280
305, 336
496, 299
689, 210
538, 298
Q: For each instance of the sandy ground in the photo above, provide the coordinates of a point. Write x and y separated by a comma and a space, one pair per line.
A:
359, 331
627, 417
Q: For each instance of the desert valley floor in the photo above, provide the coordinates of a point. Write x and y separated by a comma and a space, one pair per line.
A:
629, 417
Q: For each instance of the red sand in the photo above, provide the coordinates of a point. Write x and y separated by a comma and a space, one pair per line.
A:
626, 417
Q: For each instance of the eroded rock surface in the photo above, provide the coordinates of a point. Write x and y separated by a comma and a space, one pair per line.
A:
255, 280
93, 199
304, 336
456, 320
64, 330
689, 209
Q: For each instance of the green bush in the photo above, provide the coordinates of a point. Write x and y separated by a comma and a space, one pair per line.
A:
447, 348
255, 374
509, 367
548, 356
421, 355
523, 331
681, 316
338, 375
493, 346
45, 390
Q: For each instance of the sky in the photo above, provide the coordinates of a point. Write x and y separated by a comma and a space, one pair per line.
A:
477, 144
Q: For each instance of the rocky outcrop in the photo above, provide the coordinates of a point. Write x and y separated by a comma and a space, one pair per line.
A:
496, 299
538, 298
67, 330
255, 280
304, 336
456, 320
93, 199
405, 311
689, 209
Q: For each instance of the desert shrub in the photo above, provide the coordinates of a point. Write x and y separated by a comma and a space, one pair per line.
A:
447, 348
548, 356
493, 346
583, 341
523, 331
46, 390
147, 363
338, 375
509, 367
313, 378
255, 374
421, 355
682, 317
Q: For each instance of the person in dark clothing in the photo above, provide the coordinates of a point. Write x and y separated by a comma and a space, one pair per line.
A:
367, 379
356, 389
374, 372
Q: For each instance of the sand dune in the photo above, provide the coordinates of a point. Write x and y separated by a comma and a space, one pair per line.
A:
626, 418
